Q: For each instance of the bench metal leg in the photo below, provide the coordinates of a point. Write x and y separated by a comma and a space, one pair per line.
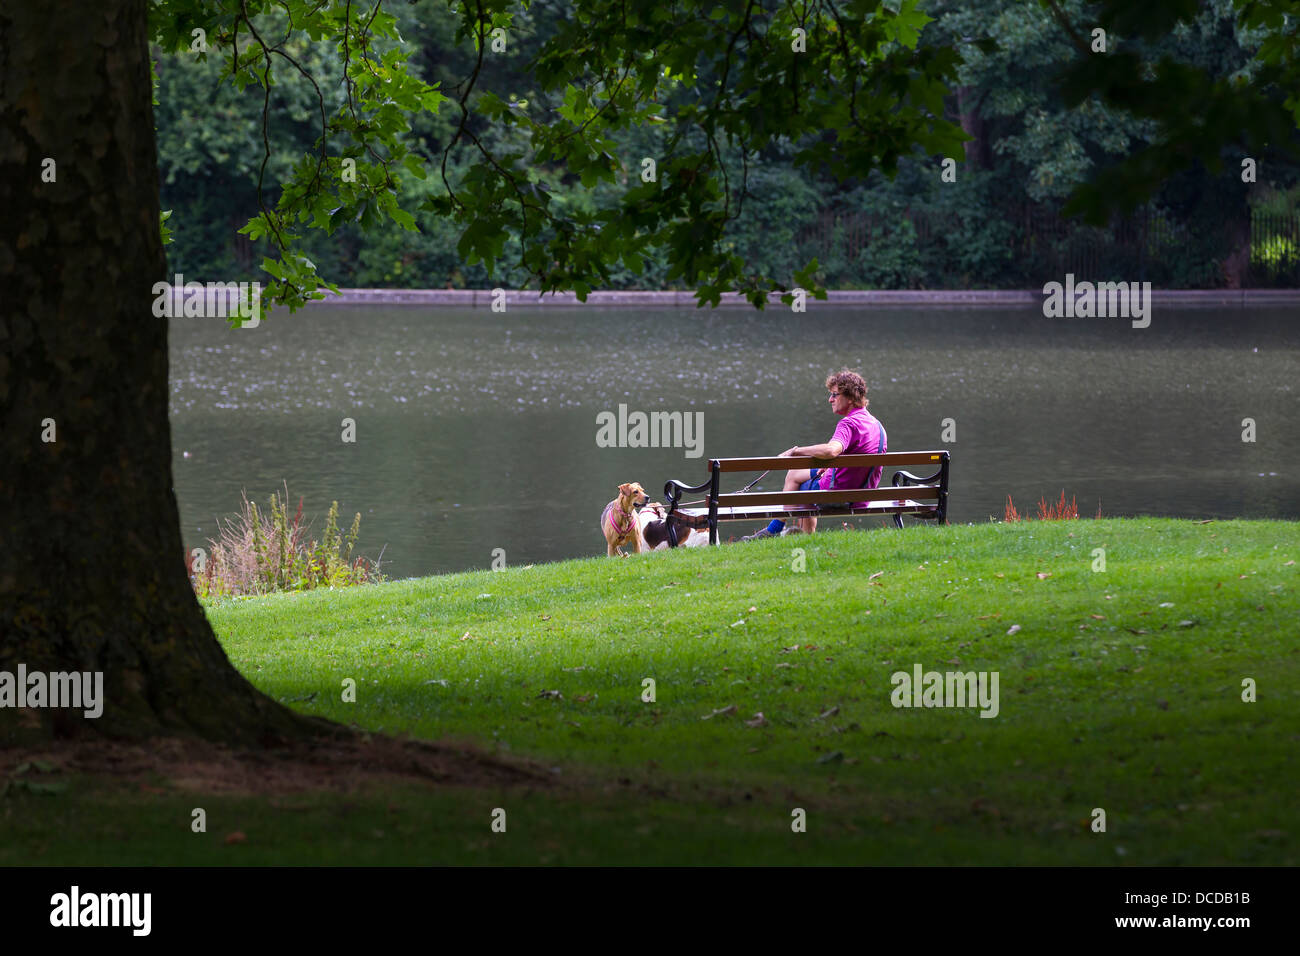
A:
714, 488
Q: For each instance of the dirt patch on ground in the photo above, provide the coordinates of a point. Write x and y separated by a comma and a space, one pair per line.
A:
342, 764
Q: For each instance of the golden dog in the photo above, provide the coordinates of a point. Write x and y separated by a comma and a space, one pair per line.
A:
619, 522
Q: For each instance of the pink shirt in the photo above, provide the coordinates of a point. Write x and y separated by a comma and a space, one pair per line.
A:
861, 434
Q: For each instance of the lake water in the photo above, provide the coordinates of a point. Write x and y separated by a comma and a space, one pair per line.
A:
477, 431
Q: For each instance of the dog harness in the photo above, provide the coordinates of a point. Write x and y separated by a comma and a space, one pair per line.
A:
611, 511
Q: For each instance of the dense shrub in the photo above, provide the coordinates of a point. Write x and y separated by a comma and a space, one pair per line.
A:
258, 552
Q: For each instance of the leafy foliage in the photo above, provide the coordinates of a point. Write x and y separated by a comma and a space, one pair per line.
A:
258, 552
521, 165
721, 85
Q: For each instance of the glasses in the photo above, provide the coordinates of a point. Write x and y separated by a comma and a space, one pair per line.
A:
835, 395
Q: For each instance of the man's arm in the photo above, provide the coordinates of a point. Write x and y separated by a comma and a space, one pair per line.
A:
829, 449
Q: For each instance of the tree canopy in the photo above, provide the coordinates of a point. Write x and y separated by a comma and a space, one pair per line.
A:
517, 157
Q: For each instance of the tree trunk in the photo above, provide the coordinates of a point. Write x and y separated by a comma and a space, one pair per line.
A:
972, 123
1237, 238
91, 577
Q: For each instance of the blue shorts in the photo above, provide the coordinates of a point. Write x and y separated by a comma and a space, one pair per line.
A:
811, 483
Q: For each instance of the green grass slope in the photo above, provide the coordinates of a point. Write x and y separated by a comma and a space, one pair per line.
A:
1118, 689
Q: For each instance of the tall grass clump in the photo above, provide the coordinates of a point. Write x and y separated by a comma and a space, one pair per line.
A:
260, 551
1049, 511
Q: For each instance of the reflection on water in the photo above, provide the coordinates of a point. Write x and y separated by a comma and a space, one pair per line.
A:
477, 430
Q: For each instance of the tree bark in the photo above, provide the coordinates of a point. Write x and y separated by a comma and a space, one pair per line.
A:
972, 123
91, 576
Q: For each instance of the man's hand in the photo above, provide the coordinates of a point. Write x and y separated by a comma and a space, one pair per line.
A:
792, 452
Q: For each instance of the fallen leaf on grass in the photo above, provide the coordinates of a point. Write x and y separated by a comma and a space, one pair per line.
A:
467, 636
551, 694
828, 713
758, 720
1186, 623
879, 573
1044, 574
738, 623
832, 757
721, 712
1098, 617
1014, 628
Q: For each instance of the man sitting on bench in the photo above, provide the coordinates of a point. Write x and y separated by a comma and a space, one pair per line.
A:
858, 433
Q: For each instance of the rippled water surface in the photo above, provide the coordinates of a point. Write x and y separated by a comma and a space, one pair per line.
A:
477, 431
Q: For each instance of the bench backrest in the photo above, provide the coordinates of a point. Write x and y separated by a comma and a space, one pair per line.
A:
885, 459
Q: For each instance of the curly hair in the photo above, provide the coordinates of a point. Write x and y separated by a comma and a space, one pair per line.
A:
850, 385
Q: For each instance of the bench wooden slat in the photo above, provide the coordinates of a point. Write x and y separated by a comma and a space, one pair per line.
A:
924, 492
887, 459
698, 517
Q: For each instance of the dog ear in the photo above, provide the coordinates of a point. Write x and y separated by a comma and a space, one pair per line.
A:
623, 488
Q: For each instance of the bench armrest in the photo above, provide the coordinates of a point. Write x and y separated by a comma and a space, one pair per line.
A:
907, 478
674, 489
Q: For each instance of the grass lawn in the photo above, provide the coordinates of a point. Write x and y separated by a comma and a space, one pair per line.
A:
1118, 689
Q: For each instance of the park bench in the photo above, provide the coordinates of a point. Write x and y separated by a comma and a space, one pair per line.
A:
925, 498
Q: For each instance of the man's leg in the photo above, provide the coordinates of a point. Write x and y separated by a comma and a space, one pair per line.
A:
793, 479
809, 525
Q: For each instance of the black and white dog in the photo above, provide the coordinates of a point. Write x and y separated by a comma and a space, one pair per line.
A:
654, 522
